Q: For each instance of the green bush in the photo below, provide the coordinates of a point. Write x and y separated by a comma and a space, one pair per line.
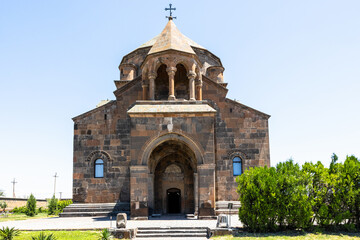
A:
3, 205
53, 206
41, 210
19, 210
294, 206
31, 206
44, 236
290, 197
258, 196
105, 235
62, 204
9, 233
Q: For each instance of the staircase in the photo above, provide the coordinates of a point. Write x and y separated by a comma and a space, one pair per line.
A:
95, 209
169, 232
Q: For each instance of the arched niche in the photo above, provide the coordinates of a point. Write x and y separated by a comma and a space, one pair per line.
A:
162, 83
181, 83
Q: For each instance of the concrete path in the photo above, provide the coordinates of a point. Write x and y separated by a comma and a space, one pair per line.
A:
90, 223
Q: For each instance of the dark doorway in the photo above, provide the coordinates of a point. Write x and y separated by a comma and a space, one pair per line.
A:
173, 200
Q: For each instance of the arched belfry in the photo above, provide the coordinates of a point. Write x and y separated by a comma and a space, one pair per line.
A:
171, 142
172, 50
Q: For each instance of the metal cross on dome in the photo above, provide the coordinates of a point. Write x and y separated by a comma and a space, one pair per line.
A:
170, 9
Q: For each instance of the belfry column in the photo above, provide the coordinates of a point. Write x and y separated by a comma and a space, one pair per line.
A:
199, 90
145, 87
152, 77
191, 77
171, 72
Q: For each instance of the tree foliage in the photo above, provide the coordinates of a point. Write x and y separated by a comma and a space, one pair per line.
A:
53, 206
290, 197
31, 206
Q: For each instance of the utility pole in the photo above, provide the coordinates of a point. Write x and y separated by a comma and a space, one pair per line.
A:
60, 195
14, 182
55, 176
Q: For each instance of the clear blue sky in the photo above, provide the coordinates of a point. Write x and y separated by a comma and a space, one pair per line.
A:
298, 61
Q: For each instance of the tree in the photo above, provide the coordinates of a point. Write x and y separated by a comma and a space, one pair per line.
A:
31, 206
2, 194
53, 206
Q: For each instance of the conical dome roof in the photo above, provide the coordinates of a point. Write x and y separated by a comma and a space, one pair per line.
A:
171, 39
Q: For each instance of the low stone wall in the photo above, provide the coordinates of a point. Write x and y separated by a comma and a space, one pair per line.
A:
20, 202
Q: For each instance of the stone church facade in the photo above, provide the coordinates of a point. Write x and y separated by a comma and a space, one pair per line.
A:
171, 142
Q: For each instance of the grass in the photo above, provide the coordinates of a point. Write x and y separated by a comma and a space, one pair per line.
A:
291, 236
62, 235
22, 216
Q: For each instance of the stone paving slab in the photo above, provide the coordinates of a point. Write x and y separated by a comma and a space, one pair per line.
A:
93, 223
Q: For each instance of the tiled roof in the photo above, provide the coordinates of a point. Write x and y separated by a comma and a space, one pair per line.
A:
171, 38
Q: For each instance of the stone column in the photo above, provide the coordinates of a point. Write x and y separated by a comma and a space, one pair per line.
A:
139, 192
152, 86
191, 77
171, 72
199, 90
145, 88
151, 192
196, 194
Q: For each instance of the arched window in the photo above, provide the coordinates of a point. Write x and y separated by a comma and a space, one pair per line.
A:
99, 168
237, 168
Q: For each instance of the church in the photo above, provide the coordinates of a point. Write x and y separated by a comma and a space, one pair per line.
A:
170, 142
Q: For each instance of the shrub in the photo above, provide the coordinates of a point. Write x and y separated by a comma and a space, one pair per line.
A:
52, 206
258, 196
44, 236
287, 197
105, 235
31, 206
41, 210
19, 210
9, 233
62, 204
3, 205
294, 208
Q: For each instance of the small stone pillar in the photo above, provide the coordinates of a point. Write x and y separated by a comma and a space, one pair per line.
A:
145, 91
191, 77
199, 90
171, 72
121, 219
152, 86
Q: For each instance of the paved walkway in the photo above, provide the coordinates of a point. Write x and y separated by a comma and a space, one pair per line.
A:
89, 223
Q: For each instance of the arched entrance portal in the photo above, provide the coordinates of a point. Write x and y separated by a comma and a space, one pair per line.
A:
173, 166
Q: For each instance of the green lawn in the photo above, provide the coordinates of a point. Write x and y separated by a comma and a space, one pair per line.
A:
62, 235
22, 216
291, 236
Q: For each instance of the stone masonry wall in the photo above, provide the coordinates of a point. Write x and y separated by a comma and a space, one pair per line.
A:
240, 131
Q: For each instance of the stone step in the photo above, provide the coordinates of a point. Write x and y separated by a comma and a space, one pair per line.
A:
70, 209
172, 228
165, 235
95, 209
84, 214
172, 232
